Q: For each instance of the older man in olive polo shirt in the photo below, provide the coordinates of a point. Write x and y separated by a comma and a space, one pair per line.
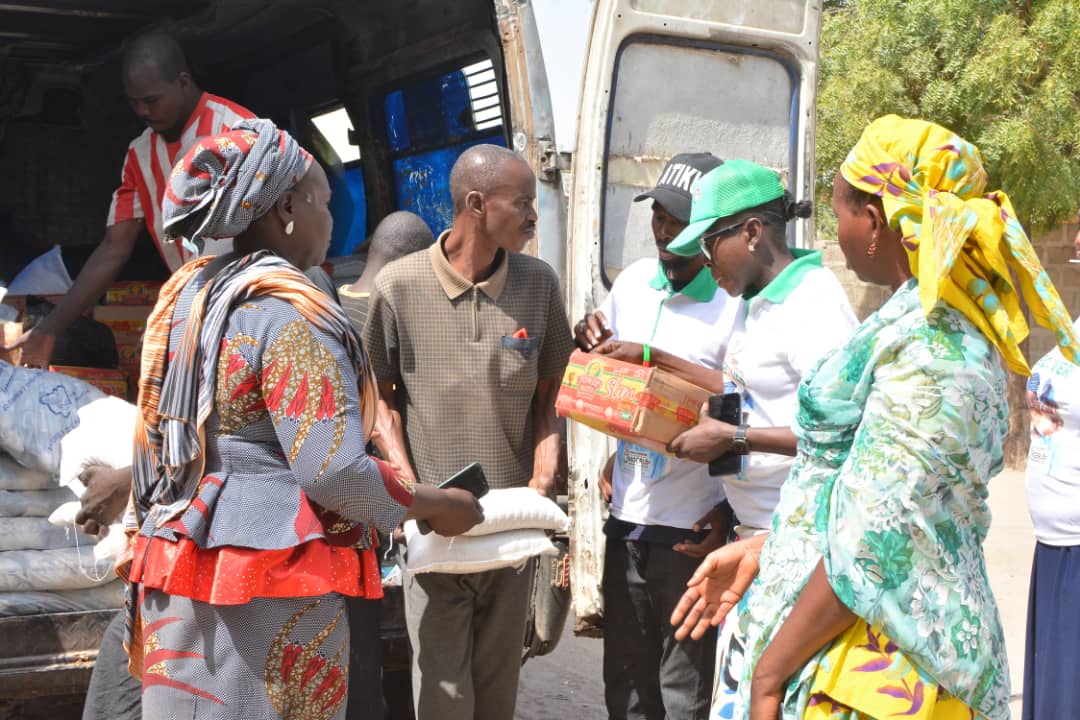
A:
469, 341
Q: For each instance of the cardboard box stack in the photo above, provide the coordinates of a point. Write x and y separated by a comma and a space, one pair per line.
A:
124, 311
645, 405
110, 382
127, 323
133, 293
127, 305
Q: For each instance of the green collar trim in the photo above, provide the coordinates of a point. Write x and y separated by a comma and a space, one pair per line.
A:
789, 278
702, 288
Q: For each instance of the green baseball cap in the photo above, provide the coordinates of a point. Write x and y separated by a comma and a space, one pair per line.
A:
726, 190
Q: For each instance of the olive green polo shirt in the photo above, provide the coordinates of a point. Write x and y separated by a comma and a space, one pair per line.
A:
464, 382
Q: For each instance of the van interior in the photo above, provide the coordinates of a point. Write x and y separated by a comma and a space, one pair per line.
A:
385, 94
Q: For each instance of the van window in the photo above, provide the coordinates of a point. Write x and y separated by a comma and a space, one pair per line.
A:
430, 121
733, 102
335, 125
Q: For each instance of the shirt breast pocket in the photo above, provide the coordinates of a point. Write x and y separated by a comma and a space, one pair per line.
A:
518, 362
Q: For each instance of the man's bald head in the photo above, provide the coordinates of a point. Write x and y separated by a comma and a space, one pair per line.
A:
399, 234
156, 49
480, 168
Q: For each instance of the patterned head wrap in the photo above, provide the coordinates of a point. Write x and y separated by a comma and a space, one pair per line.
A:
961, 241
226, 182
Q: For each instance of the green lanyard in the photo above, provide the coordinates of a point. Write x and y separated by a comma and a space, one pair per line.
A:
646, 353
656, 323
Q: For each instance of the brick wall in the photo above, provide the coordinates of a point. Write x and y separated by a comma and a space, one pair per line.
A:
865, 298
1055, 248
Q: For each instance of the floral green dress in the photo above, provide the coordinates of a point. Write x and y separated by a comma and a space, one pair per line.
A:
899, 432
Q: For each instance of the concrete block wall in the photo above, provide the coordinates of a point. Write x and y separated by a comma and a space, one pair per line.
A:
1055, 249
865, 298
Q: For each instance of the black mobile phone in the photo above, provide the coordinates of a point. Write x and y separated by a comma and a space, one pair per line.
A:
726, 408
471, 478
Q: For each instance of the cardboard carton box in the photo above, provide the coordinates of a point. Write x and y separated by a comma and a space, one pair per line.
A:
127, 323
123, 318
135, 292
9, 333
646, 406
127, 348
110, 382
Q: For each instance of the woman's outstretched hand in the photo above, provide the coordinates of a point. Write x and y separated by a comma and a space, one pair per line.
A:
716, 586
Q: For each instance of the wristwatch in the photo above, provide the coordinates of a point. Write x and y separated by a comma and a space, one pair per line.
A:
740, 445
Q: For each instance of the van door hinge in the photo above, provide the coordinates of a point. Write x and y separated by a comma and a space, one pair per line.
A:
550, 162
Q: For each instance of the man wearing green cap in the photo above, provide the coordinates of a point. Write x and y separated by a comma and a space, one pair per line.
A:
654, 533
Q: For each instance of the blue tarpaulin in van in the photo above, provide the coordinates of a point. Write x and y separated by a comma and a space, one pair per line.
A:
429, 124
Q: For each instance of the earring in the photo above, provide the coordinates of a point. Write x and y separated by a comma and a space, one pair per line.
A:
290, 227
872, 250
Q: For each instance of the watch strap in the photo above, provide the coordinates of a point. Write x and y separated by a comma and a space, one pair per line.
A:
740, 444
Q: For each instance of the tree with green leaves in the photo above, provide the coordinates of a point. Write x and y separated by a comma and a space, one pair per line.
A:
1004, 74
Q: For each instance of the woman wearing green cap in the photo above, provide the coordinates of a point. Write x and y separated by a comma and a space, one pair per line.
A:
796, 311
872, 599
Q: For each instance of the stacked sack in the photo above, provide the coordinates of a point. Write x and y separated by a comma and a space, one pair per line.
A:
51, 427
515, 528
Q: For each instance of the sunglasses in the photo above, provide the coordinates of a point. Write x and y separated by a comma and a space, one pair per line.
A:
706, 240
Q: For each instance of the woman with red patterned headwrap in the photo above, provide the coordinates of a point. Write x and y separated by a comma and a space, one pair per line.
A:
254, 505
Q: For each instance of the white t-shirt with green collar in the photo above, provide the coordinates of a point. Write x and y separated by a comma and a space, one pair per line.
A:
783, 332
651, 488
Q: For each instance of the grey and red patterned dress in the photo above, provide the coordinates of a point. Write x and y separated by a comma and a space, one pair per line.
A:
259, 515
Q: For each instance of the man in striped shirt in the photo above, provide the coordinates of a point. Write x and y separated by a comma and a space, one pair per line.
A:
177, 113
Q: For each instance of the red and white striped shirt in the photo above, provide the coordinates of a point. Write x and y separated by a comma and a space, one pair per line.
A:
149, 161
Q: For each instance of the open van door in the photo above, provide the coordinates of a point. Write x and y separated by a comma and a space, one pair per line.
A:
662, 77
532, 125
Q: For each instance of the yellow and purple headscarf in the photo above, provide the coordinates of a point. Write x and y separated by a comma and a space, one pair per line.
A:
961, 241
226, 182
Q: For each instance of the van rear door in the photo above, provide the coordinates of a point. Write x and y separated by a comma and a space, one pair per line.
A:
662, 77
532, 130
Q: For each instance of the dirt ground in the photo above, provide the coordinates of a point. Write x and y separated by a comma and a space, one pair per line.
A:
568, 684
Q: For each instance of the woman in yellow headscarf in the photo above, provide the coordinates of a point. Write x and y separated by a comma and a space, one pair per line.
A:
872, 599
